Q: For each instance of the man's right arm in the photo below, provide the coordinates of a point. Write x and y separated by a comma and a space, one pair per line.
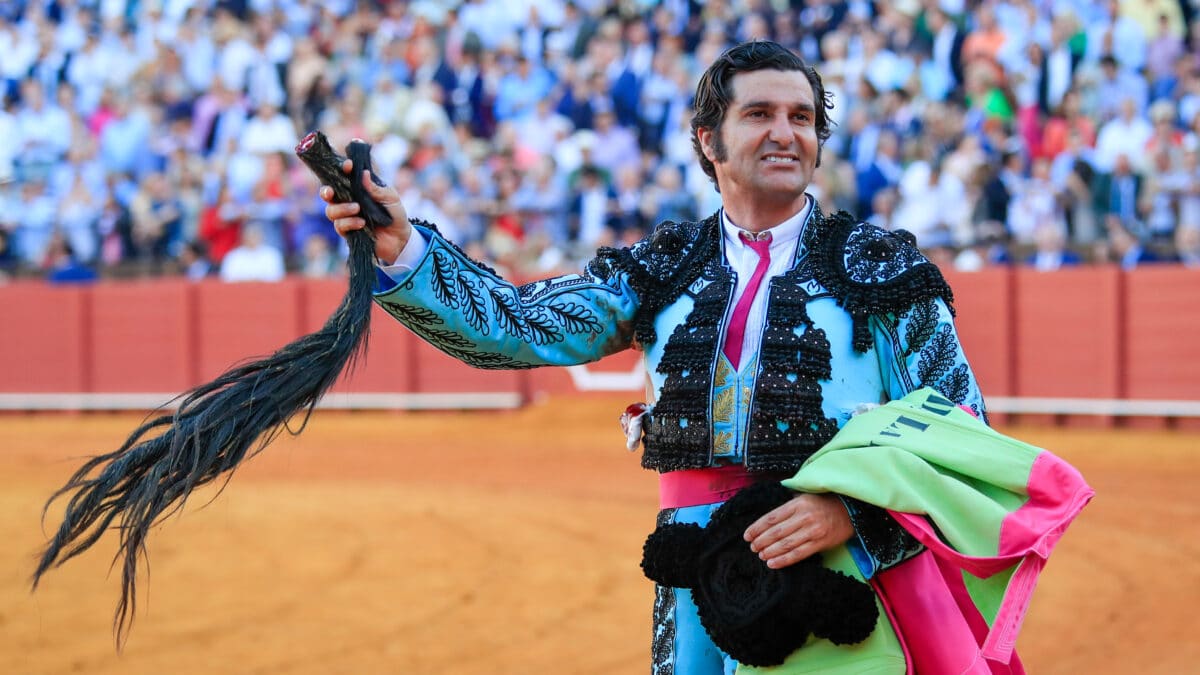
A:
465, 309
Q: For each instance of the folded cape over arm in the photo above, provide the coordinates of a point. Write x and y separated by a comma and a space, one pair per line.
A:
981, 502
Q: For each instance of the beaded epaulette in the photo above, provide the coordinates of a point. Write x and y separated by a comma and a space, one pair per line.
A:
870, 271
661, 266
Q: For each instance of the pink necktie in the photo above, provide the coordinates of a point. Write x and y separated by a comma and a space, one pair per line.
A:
737, 323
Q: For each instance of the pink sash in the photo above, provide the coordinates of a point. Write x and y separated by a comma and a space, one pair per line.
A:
712, 485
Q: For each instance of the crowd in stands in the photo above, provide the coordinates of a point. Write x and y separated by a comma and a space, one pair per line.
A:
156, 136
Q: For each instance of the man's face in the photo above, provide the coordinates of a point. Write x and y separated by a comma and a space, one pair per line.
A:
766, 148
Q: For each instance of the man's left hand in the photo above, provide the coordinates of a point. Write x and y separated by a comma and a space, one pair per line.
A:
807, 524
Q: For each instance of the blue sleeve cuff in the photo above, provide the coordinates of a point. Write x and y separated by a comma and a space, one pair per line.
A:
866, 563
383, 282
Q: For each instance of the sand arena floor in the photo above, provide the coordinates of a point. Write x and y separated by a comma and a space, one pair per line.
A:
490, 543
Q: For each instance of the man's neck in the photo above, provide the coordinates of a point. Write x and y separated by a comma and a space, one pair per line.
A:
758, 217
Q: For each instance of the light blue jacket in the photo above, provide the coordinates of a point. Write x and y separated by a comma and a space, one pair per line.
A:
861, 318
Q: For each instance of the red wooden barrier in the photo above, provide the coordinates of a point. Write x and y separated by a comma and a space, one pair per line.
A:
43, 332
238, 322
438, 373
1162, 354
390, 363
1082, 333
143, 337
1068, 333
983, 301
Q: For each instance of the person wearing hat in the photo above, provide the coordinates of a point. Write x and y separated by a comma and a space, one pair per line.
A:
763, 326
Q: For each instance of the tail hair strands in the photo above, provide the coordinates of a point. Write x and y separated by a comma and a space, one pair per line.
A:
219, 425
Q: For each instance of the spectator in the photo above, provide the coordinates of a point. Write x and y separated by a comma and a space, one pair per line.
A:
1073, 175
1126, 249
1165, 135
77, 218
627, 202
665, 199
1165, 48
1051, 252
63, 267
269, 130
320, 259
194, 262
541, 201
8, 257
32, 223
520, 90
1189, 189
1115, 35
1119, 193
983, 43
882, 172
1116, 86
1035, 206
1067, 118
591, 210
931, 199
1187, 245
253, 259
1124, 136
221, 226
270, 200
946, 46
157, 219
43, 132
616, 146
8, 151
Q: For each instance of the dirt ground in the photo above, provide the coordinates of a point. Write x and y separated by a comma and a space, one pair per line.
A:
490, 543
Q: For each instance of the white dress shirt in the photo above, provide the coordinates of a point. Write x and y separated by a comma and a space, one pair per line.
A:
742, 259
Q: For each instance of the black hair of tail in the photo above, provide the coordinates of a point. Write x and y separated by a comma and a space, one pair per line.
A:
217, 425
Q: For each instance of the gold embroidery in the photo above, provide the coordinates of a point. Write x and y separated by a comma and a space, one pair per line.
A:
723, 405
723, 443
724, 372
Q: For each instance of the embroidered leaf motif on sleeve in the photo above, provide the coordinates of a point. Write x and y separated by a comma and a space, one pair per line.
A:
474, 305
955, 386
921, 325
445, 279
937, 356
575, 317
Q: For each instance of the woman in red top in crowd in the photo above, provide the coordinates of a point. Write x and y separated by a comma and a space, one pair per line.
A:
221, 226
1067, 118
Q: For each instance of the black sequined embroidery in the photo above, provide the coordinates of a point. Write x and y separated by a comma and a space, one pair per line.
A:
661, 267
678, 434
881, 535
870, 272
787, 422
662, 645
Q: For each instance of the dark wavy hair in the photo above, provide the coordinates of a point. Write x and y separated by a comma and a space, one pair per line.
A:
714, 93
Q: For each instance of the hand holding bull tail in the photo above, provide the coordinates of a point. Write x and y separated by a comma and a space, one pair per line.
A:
224, 422
355, 197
